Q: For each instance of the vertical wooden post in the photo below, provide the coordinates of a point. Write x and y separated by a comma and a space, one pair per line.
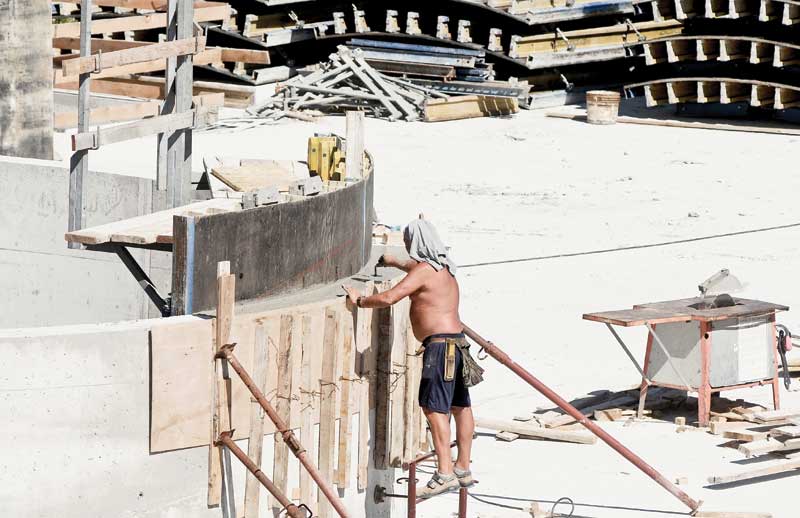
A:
221, 384
79, 162
345, 412
255, 442
327, 405
175, 149
354, 154
366, 395
306, 410
280, 469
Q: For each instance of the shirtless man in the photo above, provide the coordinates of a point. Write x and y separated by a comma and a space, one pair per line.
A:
431, 284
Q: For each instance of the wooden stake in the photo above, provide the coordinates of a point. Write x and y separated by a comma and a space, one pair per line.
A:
307, 404
345, 411
354, 154
281, 456
256, 440
221, 388
327, 419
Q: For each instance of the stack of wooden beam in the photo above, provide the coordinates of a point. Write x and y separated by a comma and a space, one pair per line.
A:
348, 82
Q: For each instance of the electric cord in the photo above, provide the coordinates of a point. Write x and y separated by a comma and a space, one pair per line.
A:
631, 247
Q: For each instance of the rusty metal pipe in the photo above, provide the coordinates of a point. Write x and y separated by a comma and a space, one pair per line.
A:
493, 351
291, 509
287, 434
462, 503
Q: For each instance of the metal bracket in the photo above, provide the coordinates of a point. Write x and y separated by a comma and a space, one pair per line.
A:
632, 27
567, 85
97, 61
560, 34
164, 305
628, 352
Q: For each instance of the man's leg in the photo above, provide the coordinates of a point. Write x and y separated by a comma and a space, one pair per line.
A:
440, 430
465, 428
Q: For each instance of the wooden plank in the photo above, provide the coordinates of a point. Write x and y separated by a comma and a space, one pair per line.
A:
255, 57
280, 470
636, 317
98, 44
397, 388
410, 398
720, 428
765, 469
792, 431
382, 385
506, 436
528, 430
139, 22
307, 403
366, 352
327, 419
139, 54
469, 106
745, 435
220, 412
133, 130
345, 406
775, 415
761, 447
105, 114
255, 441
354, 153
587, 411
155, 5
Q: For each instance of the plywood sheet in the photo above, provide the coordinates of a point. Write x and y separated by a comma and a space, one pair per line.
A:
252, 175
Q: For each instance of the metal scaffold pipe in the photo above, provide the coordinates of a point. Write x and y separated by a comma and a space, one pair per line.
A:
292, 510
493, 351
287, 434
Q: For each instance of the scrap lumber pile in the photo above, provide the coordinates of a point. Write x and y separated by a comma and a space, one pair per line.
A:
771, 438
603, 405
348, 82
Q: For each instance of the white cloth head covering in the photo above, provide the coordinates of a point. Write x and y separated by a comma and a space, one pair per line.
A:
424, 245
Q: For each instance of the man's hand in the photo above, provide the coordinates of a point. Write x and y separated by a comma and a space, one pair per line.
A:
352, 294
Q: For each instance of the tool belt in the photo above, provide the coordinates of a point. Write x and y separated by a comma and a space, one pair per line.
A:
470, 370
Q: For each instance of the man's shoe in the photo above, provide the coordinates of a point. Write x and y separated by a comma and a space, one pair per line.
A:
438, 485
464, 477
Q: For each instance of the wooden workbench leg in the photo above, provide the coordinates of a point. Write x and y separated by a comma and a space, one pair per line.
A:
704, 391
645, 385
776, 384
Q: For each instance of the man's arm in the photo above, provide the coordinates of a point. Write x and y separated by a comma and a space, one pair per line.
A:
396, 262
410, 284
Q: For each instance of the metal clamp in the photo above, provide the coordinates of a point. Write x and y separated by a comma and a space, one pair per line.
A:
567, 85
632, 27
97, 62
560, 34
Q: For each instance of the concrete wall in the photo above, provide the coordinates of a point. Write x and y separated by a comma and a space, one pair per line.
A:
43, 281
26, 91
76, 407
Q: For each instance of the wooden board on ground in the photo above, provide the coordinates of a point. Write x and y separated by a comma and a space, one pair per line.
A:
764, 470
527, 430
469, 106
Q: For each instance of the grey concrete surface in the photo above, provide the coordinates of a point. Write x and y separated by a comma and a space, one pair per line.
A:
50, 284
26, 91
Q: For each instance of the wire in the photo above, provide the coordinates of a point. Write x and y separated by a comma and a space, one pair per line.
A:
632, 247
561, 500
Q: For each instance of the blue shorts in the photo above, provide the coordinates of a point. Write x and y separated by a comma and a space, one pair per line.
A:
436, 394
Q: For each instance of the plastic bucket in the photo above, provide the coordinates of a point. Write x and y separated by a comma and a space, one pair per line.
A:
602, 107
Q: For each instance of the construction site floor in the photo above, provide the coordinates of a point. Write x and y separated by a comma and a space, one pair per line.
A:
536, 187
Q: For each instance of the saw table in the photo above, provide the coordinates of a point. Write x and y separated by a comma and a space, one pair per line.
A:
744, 352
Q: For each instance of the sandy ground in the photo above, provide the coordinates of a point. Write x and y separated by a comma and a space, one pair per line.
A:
537, 186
